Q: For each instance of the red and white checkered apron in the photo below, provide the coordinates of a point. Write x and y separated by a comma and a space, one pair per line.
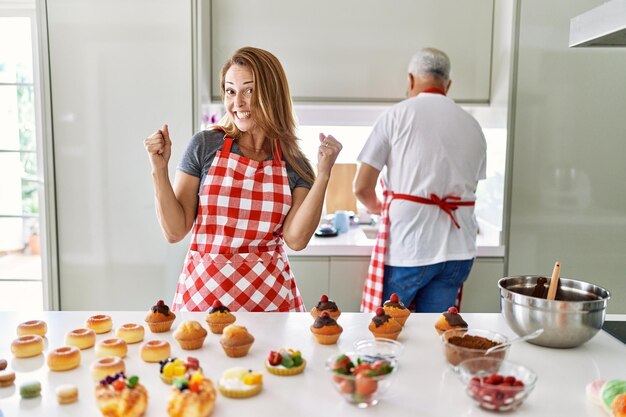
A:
236, 253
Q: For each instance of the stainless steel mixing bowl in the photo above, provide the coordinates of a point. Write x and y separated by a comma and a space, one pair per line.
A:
566, 324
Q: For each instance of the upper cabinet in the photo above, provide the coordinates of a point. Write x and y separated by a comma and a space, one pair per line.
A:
357, 50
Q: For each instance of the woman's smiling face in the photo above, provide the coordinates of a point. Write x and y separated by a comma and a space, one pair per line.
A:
238, 90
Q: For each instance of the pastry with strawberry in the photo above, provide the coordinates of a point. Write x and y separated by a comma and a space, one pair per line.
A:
218, 317
172, 368
285, 362
450, 319
383, 325
192, 396
118, 396
325, 329
396, 309
326, 305
240, 382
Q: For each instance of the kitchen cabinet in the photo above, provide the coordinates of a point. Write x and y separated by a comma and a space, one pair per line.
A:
343, 277
357, 50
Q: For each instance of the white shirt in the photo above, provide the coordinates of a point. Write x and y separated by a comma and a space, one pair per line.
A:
428, 144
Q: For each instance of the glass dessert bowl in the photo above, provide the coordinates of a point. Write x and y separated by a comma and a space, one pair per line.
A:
378, 348
359, 379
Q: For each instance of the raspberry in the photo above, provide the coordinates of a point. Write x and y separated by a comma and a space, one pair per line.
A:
453, 310
216, 304
160, 303
394, 298
324, 298
380, 311
510, 379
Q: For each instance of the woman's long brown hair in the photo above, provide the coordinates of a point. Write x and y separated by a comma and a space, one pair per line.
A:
271, 106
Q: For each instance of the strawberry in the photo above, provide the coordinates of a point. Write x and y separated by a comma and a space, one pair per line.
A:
453, 310
380, 311
365, 385
216, 304
394, 298
324, 298
343, 365
362, 368
346, 386
275, 358
192, 364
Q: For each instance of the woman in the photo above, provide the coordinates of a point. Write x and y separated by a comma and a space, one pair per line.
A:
249, 187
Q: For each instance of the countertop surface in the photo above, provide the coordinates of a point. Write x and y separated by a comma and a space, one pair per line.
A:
359, 241
424, 385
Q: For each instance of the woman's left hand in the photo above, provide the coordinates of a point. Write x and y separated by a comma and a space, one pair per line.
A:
327, 154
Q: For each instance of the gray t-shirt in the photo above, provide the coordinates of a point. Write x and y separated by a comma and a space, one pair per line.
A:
201, 150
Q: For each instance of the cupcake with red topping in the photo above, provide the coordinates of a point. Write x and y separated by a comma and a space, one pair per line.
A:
325, 329
383, 325
450, 319
218, 317
326, 305
160, 318
396, 309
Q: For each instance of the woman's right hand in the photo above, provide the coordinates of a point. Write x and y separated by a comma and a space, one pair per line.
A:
159, 147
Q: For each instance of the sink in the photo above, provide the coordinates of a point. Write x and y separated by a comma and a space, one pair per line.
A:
370, 231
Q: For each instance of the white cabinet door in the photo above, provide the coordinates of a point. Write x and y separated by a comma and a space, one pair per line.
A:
480, 292
119, 70
347, 277
358, 50
312, 277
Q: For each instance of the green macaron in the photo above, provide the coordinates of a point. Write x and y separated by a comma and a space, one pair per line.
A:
30, 389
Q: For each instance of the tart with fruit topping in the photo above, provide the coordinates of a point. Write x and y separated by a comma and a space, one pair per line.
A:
285, 362
218, 317
192, 396
325, 329
172, 368
240, 382
326, 305
383, 325
396, 309
118, 396
450, 319
160, 318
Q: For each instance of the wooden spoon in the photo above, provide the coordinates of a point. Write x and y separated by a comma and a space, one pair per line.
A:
554, 282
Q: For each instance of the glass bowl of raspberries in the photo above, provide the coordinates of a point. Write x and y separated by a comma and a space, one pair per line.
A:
496, 384
361, 379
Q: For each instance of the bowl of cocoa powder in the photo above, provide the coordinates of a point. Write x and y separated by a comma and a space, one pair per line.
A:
462, 344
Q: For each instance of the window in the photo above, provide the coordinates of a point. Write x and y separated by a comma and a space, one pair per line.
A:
21, 182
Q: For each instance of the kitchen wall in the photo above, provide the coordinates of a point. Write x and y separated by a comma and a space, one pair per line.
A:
567, 190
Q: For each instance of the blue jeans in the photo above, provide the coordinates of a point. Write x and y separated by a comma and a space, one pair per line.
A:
431, 288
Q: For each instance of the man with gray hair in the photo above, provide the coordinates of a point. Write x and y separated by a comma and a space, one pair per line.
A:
431, 154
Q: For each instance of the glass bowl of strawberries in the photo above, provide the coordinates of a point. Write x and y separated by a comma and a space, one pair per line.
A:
496, 384
360, 379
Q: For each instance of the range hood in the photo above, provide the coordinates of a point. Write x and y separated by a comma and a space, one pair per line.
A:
604, 25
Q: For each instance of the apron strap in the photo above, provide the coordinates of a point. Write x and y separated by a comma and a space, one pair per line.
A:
228, 143
448, 203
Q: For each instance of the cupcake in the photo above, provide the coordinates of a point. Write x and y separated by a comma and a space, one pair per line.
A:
236, 341
219, 316
285, 362
240, 383
118, 396
383, 325
160, 318
172, 368
325, 329
450, 319
394, 308
192, 396
326, 305
190, 335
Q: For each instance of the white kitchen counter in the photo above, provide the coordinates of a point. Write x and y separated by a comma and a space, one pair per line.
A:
356, 243
424, 385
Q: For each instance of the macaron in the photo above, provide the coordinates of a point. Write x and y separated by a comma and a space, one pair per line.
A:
6, 378
30, 389
67, 393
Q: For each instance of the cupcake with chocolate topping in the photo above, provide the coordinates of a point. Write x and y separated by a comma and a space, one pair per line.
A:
160, 318
218, 317
383, 325
396, 309
450, 319
325, 329
326, 305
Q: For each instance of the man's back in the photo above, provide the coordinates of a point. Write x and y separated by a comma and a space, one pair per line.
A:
429, 145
